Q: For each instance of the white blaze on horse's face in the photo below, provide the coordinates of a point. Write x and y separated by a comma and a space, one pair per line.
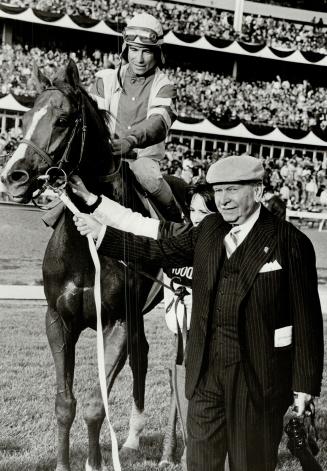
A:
19, 153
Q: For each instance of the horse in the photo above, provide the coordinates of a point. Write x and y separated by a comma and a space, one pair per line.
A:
65, 129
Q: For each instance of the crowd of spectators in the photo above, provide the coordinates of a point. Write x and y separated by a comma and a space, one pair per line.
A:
275, 103
299, 181
198, 21
221, 99
16, 72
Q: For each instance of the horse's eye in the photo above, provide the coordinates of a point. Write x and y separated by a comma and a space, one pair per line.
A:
62, 122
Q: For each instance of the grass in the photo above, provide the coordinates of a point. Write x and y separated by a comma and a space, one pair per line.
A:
27, 384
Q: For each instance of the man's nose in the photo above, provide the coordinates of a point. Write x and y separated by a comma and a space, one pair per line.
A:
225, 197
140, 56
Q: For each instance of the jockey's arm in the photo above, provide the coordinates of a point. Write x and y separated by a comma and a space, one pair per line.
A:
161, 115
111, 213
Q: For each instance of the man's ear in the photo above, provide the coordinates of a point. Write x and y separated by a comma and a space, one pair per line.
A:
258, 192
41, 81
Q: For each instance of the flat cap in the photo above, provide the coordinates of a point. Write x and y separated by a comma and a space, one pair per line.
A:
236, 169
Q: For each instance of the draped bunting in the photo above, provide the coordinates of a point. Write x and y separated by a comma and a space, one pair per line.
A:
47, 16
246, 132
9, 103
178, 39
12, 9
280, 52
84, 21
251, 47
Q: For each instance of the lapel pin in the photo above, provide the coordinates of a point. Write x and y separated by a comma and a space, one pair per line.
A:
266, 249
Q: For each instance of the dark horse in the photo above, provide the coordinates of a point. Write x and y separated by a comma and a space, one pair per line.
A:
65, 128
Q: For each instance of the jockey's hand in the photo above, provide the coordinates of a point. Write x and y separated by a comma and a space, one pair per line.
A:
79, 189
300, 402
121, 147
87, 224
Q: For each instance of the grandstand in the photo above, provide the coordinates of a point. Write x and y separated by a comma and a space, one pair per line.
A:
256, 87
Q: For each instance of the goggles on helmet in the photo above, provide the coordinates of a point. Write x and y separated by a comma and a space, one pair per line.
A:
144, 35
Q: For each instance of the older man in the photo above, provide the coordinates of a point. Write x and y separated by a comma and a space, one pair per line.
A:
256, 335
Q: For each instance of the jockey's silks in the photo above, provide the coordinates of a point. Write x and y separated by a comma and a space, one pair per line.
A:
153, 97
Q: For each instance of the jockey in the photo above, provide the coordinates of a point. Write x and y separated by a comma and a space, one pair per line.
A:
140, 100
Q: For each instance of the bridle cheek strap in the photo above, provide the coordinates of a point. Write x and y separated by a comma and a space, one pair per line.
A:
46, 157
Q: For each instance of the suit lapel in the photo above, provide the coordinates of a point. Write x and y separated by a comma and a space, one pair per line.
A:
260, 244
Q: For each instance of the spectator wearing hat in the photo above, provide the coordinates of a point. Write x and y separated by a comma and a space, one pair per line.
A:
256, 336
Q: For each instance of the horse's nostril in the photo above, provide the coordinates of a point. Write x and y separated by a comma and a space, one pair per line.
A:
18, 176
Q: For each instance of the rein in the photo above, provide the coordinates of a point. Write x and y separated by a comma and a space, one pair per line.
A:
179, 292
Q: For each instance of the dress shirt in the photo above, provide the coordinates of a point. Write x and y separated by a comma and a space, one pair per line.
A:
239, 232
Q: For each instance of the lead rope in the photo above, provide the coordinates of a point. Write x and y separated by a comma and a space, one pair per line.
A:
100, 347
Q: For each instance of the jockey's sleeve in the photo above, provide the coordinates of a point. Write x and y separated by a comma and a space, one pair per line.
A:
96, 90
111, 213
161, 115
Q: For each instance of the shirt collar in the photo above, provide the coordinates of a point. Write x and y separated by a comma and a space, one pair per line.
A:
139, 78
246, 227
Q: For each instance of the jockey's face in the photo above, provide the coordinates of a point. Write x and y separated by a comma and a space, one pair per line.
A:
141, 59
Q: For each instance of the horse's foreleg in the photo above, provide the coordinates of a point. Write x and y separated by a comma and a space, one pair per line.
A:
169, 443
138, 359
62, 344
115, 357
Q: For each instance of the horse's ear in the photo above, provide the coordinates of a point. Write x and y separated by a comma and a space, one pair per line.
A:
41, 81
72, 74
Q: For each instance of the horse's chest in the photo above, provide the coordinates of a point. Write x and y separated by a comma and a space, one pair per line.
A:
75, 301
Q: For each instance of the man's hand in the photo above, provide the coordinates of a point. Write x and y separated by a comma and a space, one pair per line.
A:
87, 224
300, 402
79, 189
122, 146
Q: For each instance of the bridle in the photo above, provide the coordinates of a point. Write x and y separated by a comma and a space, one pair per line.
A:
79, 125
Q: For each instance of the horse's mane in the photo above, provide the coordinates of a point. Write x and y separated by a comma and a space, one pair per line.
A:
80, 92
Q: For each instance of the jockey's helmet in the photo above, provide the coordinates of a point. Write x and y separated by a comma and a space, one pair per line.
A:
145, 30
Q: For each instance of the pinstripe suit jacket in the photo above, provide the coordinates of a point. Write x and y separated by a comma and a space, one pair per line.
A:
266, 301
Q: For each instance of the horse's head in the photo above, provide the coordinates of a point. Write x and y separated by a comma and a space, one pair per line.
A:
64, 128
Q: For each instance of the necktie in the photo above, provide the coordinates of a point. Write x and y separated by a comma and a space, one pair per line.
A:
232, 240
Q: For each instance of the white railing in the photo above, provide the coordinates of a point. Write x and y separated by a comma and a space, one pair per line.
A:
308, 216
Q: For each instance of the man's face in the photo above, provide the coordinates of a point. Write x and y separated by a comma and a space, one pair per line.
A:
236, 202
141, 59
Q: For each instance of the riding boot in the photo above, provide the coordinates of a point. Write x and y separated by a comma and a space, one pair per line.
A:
147, 172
